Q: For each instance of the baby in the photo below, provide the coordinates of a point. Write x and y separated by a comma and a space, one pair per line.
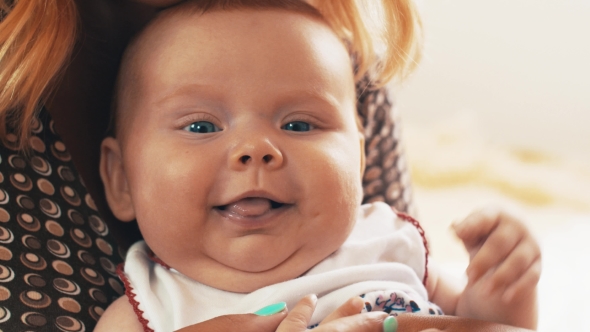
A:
237, 150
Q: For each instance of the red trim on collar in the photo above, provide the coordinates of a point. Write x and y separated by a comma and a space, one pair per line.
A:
157, 260
416, 224
131, 298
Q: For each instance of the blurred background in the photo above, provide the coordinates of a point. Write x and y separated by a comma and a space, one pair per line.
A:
498, 112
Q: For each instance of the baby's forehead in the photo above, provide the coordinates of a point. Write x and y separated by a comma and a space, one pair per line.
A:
149, 49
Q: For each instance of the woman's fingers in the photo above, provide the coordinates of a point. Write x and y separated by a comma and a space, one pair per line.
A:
246, 323
299, 317
365, 322
351, 307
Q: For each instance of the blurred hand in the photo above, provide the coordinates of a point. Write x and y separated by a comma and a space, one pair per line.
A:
346, 318
504, 269
244, 322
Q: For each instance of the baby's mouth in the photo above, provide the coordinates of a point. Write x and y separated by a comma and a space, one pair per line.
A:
250, 207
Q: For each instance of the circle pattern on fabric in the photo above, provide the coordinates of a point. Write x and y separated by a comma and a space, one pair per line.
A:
44, 286
90, 202
92, 276
25, 202
108, 266
86, 257
21, 182
28, 222
34, 319
98, 226
4, 293
80, 237
58, 248
35, 299
6, 235
6, 274
98, 295
58, 149
31, 242
76, 217
69, 304
41, 166
70, 195
34, 280
16, 161
4, 197
37, 144
5, 253
54, 228
50, 208
33, 261
69, 324
4, 215
62, 267
4, 314
45, 187
66, 286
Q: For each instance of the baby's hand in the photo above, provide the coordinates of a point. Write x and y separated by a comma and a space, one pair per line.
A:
504, 268
503, 250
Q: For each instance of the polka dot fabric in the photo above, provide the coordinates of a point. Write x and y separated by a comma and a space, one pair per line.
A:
57, 259
386, 177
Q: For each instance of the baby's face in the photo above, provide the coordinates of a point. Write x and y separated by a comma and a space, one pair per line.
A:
239, 146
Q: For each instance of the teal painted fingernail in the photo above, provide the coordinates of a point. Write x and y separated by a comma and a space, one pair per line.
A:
390, 324
272, 309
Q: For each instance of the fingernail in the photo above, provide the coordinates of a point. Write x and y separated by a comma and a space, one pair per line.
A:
272, 309
390, 324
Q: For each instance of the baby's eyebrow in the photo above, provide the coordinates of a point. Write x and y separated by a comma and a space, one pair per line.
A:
284, 95
204, 91
310, 96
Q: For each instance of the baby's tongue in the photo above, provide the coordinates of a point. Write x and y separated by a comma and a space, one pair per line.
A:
249, 207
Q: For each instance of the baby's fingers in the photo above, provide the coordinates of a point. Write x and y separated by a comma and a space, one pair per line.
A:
518, 262
476, 227
351, 307
496, 248
298, 318
525, 284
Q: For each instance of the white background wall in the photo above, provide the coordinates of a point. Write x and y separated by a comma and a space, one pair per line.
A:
521, 66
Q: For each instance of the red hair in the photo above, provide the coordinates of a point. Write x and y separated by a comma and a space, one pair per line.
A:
37, 37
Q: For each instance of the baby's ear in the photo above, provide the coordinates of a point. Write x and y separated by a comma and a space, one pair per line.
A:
114, 180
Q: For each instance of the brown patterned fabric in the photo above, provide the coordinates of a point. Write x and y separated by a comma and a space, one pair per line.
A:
386, 177
57, 256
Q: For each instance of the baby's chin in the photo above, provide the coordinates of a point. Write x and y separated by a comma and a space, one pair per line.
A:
245, 277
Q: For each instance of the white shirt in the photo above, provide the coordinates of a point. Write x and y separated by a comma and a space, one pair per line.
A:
382, 252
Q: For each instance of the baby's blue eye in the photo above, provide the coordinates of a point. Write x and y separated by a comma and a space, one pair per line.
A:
201, 127
297, 126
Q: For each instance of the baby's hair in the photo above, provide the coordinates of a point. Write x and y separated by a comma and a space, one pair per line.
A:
37, 37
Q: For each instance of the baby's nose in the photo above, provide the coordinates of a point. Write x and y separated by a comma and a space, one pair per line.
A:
256, 152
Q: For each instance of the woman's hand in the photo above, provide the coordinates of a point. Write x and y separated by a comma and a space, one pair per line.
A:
244, 322
346, 318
